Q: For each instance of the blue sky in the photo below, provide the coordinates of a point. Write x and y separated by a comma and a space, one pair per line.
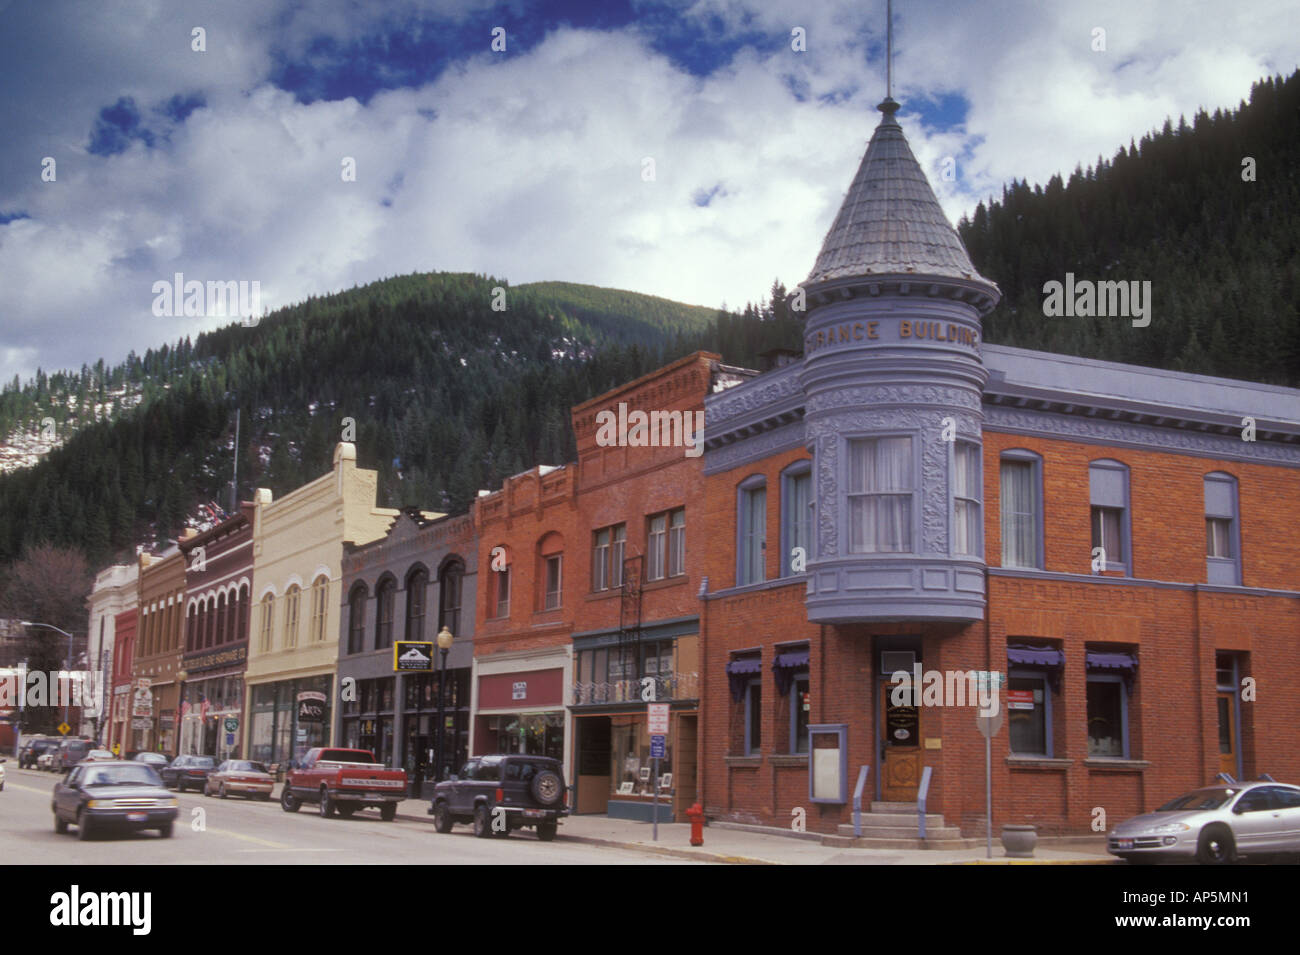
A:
528, 163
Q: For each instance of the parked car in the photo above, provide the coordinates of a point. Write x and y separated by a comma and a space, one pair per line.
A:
45, 761
185, 772
1215, 825
32, 748
242, 776
519, 791
343, 780
157, 760
69, 753
100, 756
118, 795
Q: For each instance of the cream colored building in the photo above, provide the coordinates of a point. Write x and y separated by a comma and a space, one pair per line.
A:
294, 638
115, 591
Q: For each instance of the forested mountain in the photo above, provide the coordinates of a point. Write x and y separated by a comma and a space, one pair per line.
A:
445, 394
1180, 209
448, 395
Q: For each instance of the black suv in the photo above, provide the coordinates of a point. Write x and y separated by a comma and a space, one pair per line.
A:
498, 794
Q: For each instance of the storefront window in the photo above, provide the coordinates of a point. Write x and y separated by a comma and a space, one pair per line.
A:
534, 734
631, 766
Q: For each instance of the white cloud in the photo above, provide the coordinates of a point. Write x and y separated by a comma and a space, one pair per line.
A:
532, 167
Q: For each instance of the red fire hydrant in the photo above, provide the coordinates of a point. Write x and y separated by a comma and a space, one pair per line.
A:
696, 816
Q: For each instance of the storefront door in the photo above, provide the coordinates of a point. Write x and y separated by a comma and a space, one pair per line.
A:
900, 748
1227, 703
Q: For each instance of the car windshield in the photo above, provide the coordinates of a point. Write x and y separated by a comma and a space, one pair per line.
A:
128, 775
201, 762
1199, 799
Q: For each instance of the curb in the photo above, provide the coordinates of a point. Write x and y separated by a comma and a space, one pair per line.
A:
637, 846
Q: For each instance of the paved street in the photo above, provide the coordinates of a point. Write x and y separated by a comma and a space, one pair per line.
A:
245, 832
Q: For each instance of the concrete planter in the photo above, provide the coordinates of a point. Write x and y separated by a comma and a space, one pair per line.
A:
1019, 841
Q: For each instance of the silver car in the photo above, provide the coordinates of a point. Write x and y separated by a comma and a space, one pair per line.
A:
1215, 825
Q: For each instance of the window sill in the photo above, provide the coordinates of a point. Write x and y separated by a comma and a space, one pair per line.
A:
663, 582
1116, 763
743, 762
789, 759
605, 594
1039, 762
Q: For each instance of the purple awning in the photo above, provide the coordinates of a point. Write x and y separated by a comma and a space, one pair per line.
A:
1112, 660
791, 660
745, 665
785, 665
1022, 655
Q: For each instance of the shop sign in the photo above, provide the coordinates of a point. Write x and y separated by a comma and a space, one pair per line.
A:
311, 707
1020, 699
141, 723
519, 691
413, 655
142, 700
658, 718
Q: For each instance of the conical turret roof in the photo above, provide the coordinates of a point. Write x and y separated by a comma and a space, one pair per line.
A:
890, 222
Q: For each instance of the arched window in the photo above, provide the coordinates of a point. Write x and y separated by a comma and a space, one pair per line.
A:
357, 618
291, 615
191, 619
417, 597
320, 590
242, 632
268, 622
221, 621
1109, 492
451, 584
550, 571
385, 598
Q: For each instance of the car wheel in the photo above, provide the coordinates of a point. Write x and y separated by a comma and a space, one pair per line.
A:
546, 830
180, 786
1216, 846
482, 822
547, 787
222, 792
165, 831
83, 826
326, 804
59, 825
388, 811
288, 801
442, 820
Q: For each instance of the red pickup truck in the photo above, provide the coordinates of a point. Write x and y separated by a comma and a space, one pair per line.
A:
343, 781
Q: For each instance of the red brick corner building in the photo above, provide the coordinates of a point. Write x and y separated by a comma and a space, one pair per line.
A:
1110, 540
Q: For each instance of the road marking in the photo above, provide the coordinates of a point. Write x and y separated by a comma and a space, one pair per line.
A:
248, 838
29, 789
291, 850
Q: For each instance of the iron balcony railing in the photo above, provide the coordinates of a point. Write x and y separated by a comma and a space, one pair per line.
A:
672, 686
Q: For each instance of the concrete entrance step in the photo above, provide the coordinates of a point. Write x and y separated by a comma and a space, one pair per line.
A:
939, 831
893, 820
848, 842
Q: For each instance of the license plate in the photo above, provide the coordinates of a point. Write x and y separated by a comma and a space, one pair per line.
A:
1124, 844
534, 813
136, 816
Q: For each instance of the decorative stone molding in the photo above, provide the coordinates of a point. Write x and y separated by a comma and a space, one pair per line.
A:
1118, 433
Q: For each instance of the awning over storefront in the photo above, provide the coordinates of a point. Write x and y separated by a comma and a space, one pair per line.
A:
786, 665
1046, 658
739, 672
1122, 662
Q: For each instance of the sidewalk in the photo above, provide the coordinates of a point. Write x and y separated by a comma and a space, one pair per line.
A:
746, 847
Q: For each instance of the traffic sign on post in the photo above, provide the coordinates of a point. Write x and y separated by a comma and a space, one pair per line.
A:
657, 746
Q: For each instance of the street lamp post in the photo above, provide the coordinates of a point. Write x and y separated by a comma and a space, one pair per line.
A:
181, 676
445, 639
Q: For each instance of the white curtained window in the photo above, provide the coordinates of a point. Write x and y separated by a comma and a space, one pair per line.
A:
880, 491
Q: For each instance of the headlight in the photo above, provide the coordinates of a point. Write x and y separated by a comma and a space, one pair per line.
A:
1170, 827
170, 803
99, 804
